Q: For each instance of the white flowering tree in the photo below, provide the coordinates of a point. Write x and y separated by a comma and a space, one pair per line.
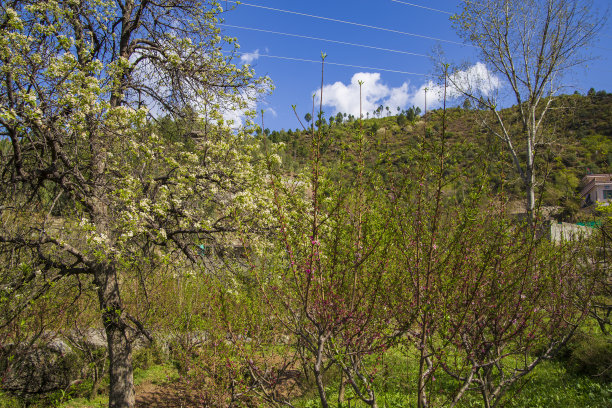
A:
89, 191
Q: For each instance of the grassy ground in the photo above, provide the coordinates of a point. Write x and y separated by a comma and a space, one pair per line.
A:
549, 386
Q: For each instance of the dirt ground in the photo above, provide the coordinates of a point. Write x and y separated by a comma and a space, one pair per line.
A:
177, 395
165, 396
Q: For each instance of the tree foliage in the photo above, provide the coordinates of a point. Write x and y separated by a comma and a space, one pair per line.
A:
89, 187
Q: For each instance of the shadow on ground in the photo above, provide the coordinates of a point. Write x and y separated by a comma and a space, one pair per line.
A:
167, 396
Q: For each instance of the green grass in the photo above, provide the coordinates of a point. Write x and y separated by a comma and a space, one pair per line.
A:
101, 401
549, 386
552, 386
55, 399
6, 401
157, 374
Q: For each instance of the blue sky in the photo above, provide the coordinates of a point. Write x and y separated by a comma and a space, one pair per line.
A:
395, 66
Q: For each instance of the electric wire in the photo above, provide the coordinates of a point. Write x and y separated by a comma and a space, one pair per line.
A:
479, 4
325, 39
334, 63
347, 43
482, 4
335, 20
423, 7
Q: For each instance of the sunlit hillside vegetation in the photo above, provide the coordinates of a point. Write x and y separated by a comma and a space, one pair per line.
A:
579, 142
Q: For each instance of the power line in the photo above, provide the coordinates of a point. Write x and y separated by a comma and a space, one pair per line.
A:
423, 7
352, 23
324, 39
333, 63
482, 4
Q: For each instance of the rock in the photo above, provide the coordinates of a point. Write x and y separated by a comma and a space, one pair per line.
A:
88, 338
40, 368
59, 346
61, 359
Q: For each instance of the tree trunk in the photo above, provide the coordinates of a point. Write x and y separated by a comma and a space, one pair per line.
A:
318, 372
421, 393
424, 372
530, 176
485, 387
96, 384
341, 390
121, 392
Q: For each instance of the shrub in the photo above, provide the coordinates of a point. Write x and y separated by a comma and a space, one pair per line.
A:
591, 354
146, 357
7, 401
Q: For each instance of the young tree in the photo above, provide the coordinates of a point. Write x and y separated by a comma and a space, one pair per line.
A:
481, 298
531, 45
515, 302
602, 304
401, 120
340, 117
412, 113
88, 190
326, 280
424, 237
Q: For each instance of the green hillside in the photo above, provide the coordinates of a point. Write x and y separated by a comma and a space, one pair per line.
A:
578, 141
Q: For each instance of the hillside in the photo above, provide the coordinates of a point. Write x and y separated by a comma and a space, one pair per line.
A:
578, 141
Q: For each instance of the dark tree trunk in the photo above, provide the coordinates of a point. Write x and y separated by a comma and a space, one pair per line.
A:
119, 339
121, 393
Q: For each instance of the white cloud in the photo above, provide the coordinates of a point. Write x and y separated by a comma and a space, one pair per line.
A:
476, 80
345, 98
235, 117
249, 57
398, 97
272, 112
238, 116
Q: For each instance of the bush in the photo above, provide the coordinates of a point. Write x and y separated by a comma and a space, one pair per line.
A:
7, 401
401, 120
590, 354
146, 357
